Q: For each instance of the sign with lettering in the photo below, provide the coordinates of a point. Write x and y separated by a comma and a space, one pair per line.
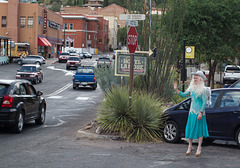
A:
45, 21
132, 40
122, 65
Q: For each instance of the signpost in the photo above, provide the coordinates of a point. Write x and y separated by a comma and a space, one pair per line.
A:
132, 41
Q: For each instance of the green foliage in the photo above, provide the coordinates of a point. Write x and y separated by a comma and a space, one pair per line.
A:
142, 122
106, 78
122, 36
114, 115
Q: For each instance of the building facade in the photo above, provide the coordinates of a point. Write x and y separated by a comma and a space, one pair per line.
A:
85, 33
110, 13
34, 24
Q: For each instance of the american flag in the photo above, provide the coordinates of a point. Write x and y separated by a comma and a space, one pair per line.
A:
69, 39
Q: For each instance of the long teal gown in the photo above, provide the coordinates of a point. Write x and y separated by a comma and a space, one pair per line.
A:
196, 128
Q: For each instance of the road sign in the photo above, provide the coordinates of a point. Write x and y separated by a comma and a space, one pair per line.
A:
132, 23
132, 40
132, 17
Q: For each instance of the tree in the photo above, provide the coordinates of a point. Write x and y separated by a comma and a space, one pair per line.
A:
213, 27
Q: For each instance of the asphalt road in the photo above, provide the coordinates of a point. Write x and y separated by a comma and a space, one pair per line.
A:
55, 144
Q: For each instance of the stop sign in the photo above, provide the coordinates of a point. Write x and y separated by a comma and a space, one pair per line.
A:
132, 40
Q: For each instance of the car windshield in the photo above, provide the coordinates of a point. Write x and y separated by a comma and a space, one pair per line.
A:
3, 89
64, 54
28, 69
85, 71
233, 69
73, 58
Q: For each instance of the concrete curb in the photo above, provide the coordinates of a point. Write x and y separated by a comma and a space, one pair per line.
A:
83, 134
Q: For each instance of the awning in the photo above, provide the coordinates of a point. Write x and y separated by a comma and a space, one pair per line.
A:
43, 42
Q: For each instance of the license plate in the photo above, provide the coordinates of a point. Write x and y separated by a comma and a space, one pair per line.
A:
84, 83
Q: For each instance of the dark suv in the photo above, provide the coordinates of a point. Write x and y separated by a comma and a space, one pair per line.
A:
31, 72
20, 103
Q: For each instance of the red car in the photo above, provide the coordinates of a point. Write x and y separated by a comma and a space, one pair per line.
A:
73, 62
30, 72
63, 57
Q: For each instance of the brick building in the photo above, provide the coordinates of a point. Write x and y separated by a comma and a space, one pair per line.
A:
33, 24
85, 32
110, 13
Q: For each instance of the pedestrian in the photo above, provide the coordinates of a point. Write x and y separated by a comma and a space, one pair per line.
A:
196, 127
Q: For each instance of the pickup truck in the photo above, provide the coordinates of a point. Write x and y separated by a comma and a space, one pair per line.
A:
104, 62
84, 76
231, 74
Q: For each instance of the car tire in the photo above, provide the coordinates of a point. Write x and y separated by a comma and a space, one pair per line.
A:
41, 79
35, 81
171, 132
18, 126
38, 63
42, 115
74, 87
237, 137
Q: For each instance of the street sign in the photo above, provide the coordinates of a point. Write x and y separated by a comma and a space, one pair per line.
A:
132, 17
132, 23
132, 40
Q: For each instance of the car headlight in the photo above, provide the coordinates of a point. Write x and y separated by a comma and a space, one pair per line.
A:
18, 76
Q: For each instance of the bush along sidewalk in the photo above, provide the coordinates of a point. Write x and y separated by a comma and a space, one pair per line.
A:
143, 122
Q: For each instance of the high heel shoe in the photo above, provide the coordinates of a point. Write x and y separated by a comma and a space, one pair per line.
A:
189, 151
198, 153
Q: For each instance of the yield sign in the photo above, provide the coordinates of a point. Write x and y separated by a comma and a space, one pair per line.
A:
132, 40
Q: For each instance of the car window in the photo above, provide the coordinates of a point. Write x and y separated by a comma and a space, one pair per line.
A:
214, 96
85, 71
104, 59
230, 99
233, 69
185, 105
31, 89
22, 89
3, 89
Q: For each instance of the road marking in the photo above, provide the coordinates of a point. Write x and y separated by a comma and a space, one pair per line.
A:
61, 122
63, 70
100, 154
55, 97
60, 90
82, 98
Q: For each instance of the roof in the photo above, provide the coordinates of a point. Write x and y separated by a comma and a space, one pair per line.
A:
9, 82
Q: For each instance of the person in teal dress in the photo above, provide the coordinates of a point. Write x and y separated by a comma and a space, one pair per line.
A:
196, 127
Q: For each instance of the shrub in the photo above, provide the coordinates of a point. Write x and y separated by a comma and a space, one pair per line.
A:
142, 122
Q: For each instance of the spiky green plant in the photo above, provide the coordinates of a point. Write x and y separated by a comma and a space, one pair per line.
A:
142, 122
147, 118
114, 115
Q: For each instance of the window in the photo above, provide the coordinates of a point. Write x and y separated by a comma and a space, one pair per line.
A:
22, 90
230, 99
214, 96
4, 21
71, 26
67, 43
30, 22
22, 21
65, 26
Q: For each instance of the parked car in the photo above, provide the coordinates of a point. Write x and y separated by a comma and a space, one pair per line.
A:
84, 76
33, 59
73, 62
104, 62
80, 55
231, 74
223, 117
63, 57
20, 103
31, 72
87, 55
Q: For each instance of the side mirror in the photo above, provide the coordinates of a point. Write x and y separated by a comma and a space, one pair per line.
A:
96, 59
39, 93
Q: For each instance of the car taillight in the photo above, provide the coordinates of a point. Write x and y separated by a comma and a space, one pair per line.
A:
94, 79
43, 59
7, 101
73, 78
97, 62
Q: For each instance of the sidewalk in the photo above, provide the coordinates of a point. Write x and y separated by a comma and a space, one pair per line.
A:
50, 61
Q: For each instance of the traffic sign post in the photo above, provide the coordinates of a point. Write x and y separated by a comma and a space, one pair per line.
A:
132, 41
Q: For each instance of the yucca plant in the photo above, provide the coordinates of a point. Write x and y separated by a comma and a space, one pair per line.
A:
142, 122
114, 115
147, 118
